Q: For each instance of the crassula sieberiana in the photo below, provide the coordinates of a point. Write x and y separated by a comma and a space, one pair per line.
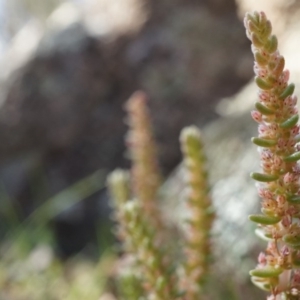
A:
197, 240
278, 182
161, 275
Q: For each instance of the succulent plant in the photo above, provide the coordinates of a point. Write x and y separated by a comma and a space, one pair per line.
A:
278, 182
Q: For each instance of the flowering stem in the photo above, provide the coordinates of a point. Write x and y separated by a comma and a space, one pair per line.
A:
197, 240
278, 183
145, 172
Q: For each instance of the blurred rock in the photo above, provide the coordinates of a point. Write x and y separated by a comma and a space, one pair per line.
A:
71, 65
64, 106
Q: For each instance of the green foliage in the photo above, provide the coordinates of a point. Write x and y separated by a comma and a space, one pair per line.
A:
28, 267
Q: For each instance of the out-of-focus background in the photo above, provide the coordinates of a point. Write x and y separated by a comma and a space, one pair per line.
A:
66, 69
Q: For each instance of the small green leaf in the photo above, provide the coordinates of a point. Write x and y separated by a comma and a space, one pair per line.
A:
264, 177
289, 123
291, 239
262, 19
260, 233
293, 157
260, 59
289, 90
255, 16
264, 220
272, 44
267, 29
252, 17
294, 199
256, 41
263, 109
262, 84
252, 26
266, 272
263, 142
271, 65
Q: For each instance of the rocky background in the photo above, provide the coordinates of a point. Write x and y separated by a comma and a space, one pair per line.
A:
62, 114
65, 76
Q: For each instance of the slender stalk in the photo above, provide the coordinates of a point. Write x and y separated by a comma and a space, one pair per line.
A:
278, 182
145, 172
199, 222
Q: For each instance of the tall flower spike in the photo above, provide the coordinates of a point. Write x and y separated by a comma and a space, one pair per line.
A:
145, 172
199, 222
277, 116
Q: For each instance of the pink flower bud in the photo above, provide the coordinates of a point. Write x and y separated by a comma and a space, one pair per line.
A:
295, 130
273, 127
266, 155
296, 169
267, 167
262, 258
281, 200
277, 162
281, 144
275, 56
286, 221
260, 71
256, 116
261, 191
296, 277
268, 194
263, 130
263, 96
288, 101
294, 99
285, 250
286, 75
288, 178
